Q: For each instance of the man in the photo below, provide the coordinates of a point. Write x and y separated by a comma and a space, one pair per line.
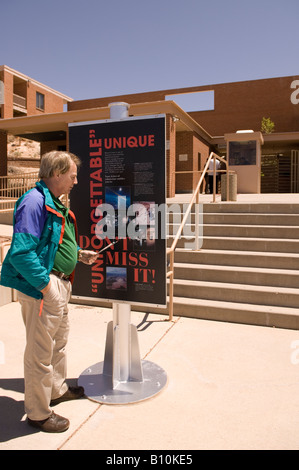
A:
211, 175
40, 264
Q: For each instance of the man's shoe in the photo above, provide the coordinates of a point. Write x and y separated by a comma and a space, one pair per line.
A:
73, 393
54, 423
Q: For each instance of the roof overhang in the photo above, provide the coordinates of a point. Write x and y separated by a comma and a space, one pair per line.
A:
54, 126
274, 139
290, 137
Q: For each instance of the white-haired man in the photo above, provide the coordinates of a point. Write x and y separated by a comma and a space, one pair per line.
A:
40, 264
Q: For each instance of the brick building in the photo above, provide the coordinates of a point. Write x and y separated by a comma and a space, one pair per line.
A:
22, 96
192, 133
232, 107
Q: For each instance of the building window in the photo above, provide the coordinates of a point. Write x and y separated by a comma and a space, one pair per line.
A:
242, 153
40, 101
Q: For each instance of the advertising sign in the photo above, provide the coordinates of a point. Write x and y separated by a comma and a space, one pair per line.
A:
119, 203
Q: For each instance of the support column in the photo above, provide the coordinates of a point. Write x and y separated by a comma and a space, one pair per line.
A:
3, 154
170, 155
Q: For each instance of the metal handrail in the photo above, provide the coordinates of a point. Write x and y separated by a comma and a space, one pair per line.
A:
195, 197
3, 245
13, 186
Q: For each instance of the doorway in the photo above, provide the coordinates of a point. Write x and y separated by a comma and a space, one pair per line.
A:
280, 173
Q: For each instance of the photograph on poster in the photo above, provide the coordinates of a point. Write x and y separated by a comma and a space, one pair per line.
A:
116, 278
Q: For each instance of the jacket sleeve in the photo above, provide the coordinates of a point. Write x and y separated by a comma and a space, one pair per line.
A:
29, 220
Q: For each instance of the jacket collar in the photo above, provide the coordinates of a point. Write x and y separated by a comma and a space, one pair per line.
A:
41, 185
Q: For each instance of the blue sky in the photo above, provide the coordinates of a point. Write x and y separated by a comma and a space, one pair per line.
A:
94, 48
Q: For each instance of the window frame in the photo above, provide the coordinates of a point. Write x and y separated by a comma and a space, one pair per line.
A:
40, 101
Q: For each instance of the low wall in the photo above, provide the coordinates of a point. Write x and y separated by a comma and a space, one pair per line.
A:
6, 218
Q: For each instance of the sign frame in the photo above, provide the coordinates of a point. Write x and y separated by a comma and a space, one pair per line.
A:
132, 156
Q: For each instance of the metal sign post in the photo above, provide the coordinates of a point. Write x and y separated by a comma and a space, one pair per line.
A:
122, 377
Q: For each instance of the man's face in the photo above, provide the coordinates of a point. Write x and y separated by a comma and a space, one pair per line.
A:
66, 181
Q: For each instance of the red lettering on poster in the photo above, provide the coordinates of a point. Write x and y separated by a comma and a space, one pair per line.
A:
94, 143
95, 193
144, 275
130, 142
124, 258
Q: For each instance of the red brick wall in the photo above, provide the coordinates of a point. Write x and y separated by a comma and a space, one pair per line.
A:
8, 95
199, 163
170, 156
184, 147
53, 104
3, 154
27, 89
187, 144
102, 102
238, 105
242, 105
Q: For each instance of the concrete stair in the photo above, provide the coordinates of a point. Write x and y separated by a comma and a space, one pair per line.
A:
247, 270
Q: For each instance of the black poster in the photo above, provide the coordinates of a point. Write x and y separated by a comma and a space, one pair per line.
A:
119, 203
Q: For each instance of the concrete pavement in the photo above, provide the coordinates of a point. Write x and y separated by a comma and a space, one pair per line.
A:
230, 386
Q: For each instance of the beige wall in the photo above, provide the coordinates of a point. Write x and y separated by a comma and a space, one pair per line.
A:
248, 176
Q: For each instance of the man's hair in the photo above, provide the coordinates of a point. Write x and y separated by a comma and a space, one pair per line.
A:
57, 161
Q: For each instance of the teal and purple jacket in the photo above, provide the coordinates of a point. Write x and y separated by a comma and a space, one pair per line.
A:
38, 231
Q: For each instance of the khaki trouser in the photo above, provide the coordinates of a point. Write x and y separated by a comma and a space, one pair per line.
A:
47, 328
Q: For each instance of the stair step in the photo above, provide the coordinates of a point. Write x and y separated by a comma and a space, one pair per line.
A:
252, 244
246, 269
239, 218
230, 292
237, 274
238, 258
249, 231
263, 208
236, 208
251, 219
240, 244
215, 310
235, 312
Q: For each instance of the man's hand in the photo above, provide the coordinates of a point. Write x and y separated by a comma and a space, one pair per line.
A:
87, 257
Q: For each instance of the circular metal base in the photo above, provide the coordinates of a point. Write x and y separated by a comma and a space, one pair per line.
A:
98, 387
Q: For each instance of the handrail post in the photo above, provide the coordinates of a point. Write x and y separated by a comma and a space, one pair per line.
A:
227, 183
197, 222
171, 286
214, 178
